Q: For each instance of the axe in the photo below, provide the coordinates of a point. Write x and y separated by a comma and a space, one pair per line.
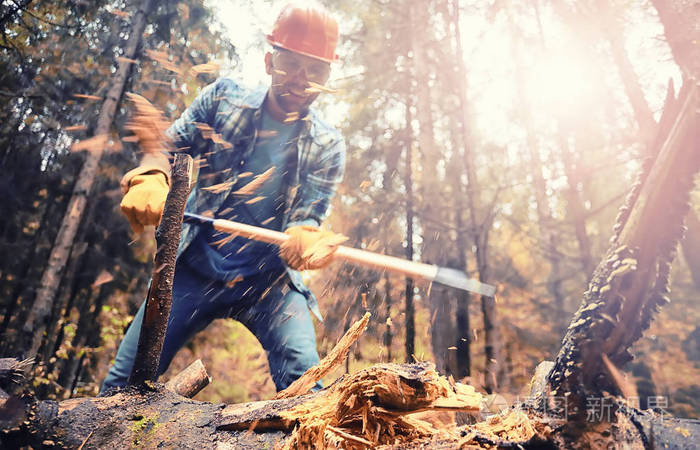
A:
441, 275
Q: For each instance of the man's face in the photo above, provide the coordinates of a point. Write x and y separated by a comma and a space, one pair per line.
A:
293, 79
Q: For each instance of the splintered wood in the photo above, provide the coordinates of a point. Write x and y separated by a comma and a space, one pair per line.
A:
513, 425
374, 406
334, 358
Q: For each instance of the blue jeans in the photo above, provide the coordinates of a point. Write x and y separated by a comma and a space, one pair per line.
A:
275, 313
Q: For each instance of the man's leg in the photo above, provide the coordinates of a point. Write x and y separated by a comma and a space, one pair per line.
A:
189, 314
282, 323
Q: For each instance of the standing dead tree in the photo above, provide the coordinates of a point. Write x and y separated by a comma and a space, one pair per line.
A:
632, 281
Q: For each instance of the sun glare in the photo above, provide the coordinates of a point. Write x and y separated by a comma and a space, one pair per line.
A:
560, 84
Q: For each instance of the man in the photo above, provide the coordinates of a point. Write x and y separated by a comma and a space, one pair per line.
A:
271, 137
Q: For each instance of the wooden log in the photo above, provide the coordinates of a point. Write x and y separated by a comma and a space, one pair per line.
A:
157, 417
160, 293
190, 381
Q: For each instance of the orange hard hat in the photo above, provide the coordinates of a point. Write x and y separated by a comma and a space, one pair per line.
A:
308, 30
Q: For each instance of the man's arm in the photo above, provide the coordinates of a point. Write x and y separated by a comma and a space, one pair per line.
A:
145, 187
182, 136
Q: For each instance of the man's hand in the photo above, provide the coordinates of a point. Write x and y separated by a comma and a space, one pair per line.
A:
143, 203
309, 248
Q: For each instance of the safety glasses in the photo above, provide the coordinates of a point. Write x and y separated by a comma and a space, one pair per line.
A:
290, 64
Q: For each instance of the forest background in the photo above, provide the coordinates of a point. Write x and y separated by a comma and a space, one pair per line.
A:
497, 137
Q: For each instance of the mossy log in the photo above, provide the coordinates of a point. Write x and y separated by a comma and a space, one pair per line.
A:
373, 408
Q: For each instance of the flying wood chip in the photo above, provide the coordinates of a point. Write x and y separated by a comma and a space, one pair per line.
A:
76, 128
102, 278
148, 124
210, 68
119, 13
218, 188
315, 87
163, 59
95, 143
127, 60
87, 97
254, 200
257, 182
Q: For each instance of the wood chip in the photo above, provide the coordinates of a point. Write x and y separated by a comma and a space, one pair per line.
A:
256, 183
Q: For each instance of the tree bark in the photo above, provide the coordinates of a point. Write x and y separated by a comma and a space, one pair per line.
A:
576, 210
632, 280
35, 325
409, 309
681, 22
160, 293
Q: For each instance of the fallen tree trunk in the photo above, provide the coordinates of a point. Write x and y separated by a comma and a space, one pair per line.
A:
372, 408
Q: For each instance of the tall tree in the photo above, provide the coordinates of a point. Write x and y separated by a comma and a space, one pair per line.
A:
681, 22
33, 329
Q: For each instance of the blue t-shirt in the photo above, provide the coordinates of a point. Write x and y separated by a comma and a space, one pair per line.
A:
218, 256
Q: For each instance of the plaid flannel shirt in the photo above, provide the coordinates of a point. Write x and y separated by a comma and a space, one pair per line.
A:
219, 130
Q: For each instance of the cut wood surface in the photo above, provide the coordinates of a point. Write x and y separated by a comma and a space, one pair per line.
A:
190, 381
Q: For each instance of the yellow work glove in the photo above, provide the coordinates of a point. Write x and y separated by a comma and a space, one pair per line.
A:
309, 248
143, 203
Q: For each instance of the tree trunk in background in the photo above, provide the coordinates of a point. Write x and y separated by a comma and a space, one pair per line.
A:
410, 324
494, 370
545, 220
388, 334
613, 31
429, 206
33, 329
681, 22
691, 246
576, 209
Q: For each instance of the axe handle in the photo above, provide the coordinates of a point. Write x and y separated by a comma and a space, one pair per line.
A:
362, 257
